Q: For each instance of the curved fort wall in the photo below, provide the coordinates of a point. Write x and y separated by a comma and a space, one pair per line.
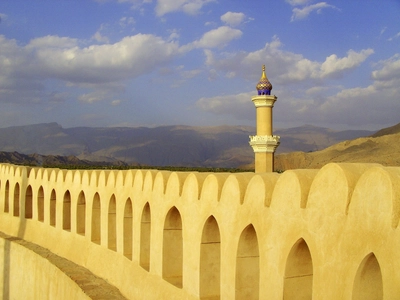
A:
331, 233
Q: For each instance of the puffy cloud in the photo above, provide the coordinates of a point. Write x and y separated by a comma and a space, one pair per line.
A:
99, 37
126, 21
319, 99
185, 75
96, 93
302, 13
238, 105
187, 6
24, 69
297, 2
233, 18
130, 57
334, 65
51, 41
375, 104
215, 38
134, 3
288, 67
390, 71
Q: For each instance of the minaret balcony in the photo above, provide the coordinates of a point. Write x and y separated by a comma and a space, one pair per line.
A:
264, 143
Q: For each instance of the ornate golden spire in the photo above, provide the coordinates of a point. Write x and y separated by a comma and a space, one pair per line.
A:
264, 87
263, 76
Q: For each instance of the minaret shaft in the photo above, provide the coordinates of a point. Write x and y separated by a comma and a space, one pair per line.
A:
264, 143
264, 120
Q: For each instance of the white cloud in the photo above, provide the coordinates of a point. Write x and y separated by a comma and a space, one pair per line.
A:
174, 35
233, 18
190, 74
135, 4
334, 65
215, 38
184, 75
24, 69
130, 57
100, 38
319, 99
390, 69
302, 13
376, 104
210, 23
287, 67
115, 102
51, 42
2, 17
297, 2
91, 97
394, 37
126, 21
91, 93
238, 105
187, 6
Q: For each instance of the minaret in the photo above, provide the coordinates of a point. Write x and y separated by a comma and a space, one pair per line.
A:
264, 143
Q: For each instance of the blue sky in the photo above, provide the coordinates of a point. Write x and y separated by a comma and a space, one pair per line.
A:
196, 62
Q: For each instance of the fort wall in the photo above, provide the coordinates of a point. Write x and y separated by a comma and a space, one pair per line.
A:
327, 234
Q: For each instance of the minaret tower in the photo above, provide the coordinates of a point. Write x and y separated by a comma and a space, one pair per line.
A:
264, 143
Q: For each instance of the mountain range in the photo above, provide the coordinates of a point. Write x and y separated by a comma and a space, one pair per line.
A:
223, 146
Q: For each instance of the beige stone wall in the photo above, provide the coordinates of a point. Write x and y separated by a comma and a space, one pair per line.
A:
26, 275
327, 234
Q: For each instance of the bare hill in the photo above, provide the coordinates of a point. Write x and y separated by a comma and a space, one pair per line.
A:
385, 131
383, 149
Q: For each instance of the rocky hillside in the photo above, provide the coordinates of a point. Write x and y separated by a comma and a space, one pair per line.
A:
382, 147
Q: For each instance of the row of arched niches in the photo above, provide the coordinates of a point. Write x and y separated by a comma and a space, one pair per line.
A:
304, 234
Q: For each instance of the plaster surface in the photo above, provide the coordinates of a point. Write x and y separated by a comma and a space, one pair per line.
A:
323, 234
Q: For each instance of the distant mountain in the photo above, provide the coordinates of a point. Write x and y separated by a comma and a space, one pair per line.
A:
52, 160
221, 146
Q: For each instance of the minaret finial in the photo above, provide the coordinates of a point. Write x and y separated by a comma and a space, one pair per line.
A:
264, 87
263, 75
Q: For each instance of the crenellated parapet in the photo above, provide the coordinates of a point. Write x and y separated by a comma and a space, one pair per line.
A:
331, 233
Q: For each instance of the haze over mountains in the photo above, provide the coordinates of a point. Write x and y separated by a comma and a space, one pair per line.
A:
222, 146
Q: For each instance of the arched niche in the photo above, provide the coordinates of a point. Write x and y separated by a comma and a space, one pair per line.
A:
40, 204
53, 206
145, 233
7, 197
128, 229
66, 211
96, 220
210, 261
173, 248
81, 214
247, 284
112, 224
28, 202
16, 200
298, 279
368, 283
